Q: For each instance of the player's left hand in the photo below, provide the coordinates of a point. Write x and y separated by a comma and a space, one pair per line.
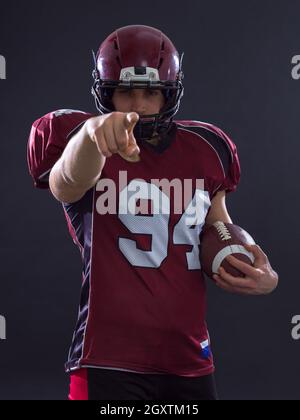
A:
260, 279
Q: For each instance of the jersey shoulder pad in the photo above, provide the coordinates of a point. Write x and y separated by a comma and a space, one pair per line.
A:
48, 138
222, 145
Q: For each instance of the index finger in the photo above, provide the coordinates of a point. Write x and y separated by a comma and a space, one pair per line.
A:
125, 138
130, 121
130, 151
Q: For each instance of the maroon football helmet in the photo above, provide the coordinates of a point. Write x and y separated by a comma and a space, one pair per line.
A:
139, 57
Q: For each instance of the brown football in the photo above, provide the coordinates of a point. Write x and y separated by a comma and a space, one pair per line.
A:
220, 240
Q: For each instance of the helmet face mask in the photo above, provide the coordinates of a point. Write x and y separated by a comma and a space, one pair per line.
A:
121, 62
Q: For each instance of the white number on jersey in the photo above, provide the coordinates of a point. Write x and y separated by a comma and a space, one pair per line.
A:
186, 231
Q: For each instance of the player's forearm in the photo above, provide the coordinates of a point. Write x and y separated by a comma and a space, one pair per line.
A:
81, 163
78, 169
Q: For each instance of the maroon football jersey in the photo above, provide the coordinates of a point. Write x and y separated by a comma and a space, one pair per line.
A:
143, 300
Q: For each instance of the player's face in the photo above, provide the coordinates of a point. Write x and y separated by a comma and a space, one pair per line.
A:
141, 101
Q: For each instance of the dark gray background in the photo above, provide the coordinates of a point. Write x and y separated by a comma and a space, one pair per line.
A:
238, 76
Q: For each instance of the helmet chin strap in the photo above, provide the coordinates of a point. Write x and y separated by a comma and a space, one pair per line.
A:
146, 129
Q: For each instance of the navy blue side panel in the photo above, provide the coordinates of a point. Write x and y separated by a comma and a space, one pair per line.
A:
80, 218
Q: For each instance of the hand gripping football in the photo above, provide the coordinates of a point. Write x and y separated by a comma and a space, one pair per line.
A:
220, 240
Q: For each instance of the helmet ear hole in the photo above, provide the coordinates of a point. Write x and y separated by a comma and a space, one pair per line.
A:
106, 95
168, 94
170, 97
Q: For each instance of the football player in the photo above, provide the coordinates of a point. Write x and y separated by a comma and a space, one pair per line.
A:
141, 330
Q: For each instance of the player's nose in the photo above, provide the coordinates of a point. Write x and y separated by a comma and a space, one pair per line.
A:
139, 102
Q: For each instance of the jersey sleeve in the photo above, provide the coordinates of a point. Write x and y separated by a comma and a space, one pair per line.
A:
233, 173
227, 175
48, 138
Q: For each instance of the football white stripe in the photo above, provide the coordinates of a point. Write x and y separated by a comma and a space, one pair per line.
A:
225, 252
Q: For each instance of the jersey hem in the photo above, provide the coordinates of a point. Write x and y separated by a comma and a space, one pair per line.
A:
76, 365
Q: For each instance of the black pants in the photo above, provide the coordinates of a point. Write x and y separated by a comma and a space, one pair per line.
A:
104, 384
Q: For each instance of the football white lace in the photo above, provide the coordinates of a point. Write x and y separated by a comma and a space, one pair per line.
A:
223, 231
